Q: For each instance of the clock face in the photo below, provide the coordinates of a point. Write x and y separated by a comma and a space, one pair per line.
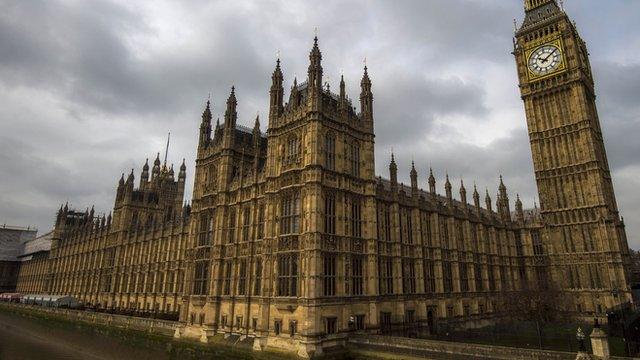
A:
545, 59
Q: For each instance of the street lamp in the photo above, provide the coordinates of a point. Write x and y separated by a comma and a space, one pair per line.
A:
580, 336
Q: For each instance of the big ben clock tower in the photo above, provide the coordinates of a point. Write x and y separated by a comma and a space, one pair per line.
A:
583, 234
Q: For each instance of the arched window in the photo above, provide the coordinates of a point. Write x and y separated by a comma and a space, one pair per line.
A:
329, 213
292, 149
213, 171
290, 214
353, 157
330, 151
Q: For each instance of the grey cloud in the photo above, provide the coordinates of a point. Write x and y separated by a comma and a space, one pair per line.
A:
89, 89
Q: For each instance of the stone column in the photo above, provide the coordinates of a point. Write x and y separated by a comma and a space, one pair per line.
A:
599, 342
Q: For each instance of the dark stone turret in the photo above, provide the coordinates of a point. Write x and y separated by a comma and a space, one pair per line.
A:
276, 94
205, 126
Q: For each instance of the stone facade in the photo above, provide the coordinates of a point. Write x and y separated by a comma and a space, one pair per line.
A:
584, 236
34, 265
132, 260
292, 239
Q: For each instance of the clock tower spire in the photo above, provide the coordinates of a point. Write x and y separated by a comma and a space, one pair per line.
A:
578, 204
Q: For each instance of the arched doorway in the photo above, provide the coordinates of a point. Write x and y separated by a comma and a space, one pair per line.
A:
430, 322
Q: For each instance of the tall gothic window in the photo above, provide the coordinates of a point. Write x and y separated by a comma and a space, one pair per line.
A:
478, 276
474, 237
464, 277
492, 278
261, 222
541, 275
444, 232
246, 217
357, 275
460, 235
354, 158
206, 230
290, 219
356, 217
406, 226
384, 223
425, 227
292, 150
257, 285
429, 277
329, 274
537, 243
385, 275
330, 151
329, 213
287, 274
231, 227
171, 279
212, 176
201, 278
140, 284
242, 277
408, 276
504, 283
227, 278
447, 278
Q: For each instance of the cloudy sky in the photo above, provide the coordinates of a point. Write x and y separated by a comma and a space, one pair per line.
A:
89, 89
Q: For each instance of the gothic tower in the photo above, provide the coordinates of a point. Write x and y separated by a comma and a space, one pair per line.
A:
583, 230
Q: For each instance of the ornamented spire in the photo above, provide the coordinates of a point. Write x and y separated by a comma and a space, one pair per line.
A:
205, 126
130, 178
487, 200
144, 177
519, 209
502, 187
393, 171
230, 114
432, 182
183, 171
503, 202
315, 67
366, 96
256, 134
276, 94
414, 177
447, 188
463, 194
256, 124
156, 166
476, 197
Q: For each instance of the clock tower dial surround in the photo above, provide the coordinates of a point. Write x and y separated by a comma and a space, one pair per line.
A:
582, 227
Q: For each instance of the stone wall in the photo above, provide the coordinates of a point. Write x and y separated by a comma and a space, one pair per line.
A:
162, 327
455, 350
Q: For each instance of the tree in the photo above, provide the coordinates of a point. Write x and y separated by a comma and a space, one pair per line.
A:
540, 306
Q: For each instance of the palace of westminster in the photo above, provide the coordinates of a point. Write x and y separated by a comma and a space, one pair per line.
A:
293, 240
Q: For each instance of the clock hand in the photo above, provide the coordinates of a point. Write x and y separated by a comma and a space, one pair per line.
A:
548, 56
